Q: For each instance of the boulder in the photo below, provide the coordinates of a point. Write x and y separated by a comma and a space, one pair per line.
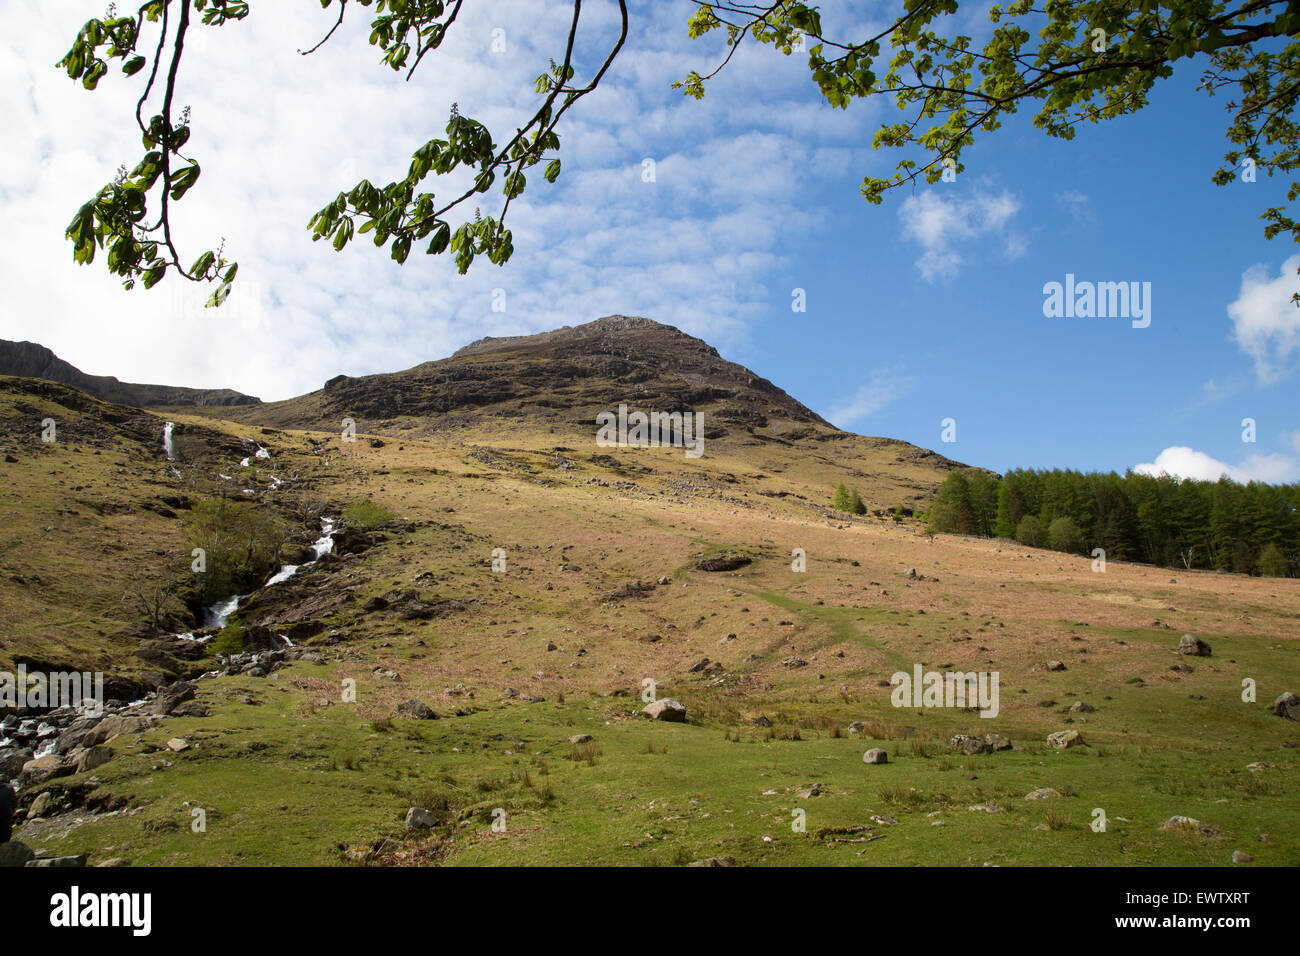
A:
1190, 644
60, 861
1064, 739
36, 772
415, 709
875, 755
970, 745
89, 758
998, 742
1287, 705
666, 709
110, 727
1042, 793
1079, 707
580, 739
1055, 665
12, 760
172, 696
14, 853
176, 745
420, 819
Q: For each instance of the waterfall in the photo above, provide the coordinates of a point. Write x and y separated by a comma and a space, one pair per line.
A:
168, 449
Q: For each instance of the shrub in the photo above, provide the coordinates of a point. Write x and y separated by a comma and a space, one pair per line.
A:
1273, 562
230, 640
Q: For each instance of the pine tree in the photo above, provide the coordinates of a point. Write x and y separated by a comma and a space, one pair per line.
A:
843, 501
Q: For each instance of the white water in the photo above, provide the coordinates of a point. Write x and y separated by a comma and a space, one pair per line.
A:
216, 614
168, 449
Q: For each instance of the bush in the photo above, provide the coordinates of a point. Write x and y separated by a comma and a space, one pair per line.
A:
242, 544
1030, 532
366, 514
1063, 535
230, 640
842, 501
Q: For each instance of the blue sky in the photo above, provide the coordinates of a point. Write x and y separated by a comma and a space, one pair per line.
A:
924, 308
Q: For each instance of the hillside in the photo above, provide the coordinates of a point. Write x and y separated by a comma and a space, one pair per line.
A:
30, 360
497, 587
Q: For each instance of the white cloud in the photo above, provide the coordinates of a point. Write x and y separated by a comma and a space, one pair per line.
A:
883, 387
940, 224
1183, 462
278, 134
1266, 323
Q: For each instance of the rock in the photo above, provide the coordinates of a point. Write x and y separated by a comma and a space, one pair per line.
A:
111, 727
761, 721
1240, 856
1079, 707
1190, 825
998, 742
580, 739
666, 709
1064, 739
1287, 705
875, 755
857, 727
1055, 665
172, 696
90, 758
12, 761
715, 861
60, 861
1189, 644
14, 853
420, 819
41, 806
723, 562
36, 772
115, 861
176, 745
192, 708
970, 745
699, 665
814, 791
416, 709
793, 662
1042, 793
987, 808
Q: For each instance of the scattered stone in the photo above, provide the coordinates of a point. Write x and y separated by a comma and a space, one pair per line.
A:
987, 808
814, 791
666, 709
875, 755
580, 739
857, 727
420, 819
1287, 705
715, 861
1194, 646
1055, 665
1064, 739
415, 709
723, 562
1042, 793
176, 745
1190, 825
172, 696
970, 745
1240, 856
998, 742
793, 662
1079, 707
60, 861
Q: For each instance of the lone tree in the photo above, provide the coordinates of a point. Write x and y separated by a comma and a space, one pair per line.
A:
1092, 61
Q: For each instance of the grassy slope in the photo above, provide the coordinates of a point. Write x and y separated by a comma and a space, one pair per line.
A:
301, 777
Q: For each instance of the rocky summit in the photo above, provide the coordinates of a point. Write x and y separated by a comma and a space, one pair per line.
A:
431, 617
